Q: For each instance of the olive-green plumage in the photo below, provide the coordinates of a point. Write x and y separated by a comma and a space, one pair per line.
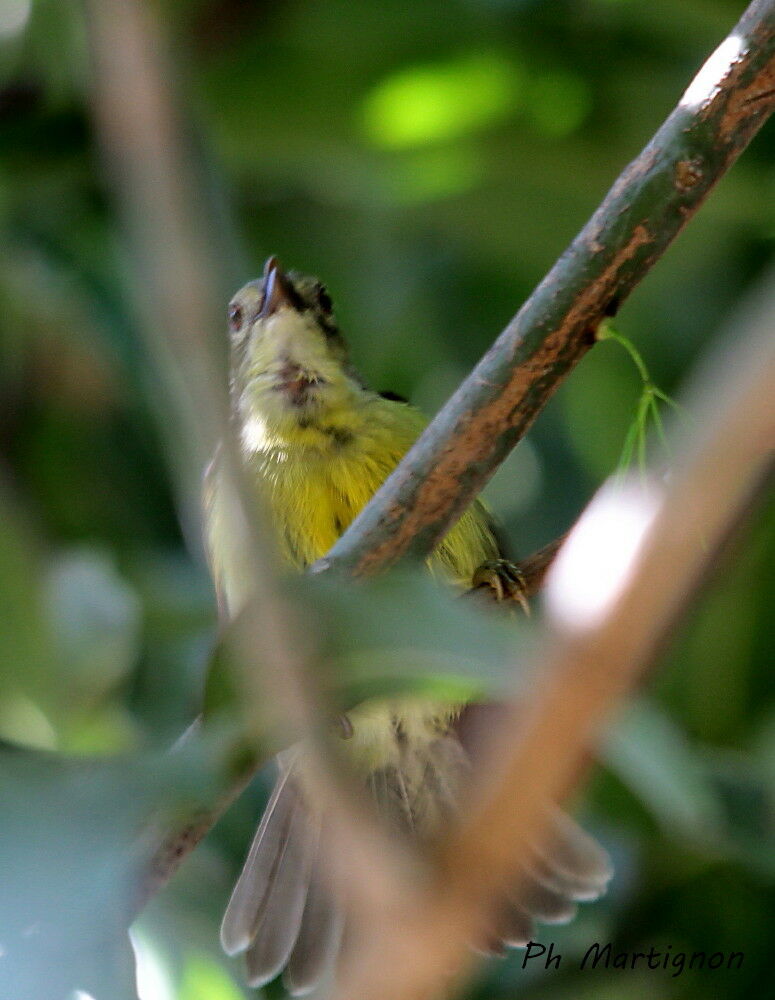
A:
317, 440
318, 443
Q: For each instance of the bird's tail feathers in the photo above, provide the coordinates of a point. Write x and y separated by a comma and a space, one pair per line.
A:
282, 915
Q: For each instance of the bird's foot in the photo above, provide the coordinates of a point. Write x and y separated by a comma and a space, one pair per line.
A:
504, 580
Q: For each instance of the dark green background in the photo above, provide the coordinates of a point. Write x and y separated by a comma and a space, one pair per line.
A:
429, 161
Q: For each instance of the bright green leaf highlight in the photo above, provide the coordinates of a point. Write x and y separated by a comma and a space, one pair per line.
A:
23, 721
204, 979
426, 104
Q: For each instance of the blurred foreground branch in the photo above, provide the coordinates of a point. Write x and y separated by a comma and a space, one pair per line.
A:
176, 285
175, 847
599, 650
721, 111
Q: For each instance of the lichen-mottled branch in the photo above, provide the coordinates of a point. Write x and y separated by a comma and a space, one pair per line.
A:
726, 104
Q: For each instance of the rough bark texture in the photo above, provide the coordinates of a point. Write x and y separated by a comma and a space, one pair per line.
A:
646, 208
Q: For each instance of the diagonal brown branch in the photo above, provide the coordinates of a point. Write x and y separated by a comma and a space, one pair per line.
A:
723, 108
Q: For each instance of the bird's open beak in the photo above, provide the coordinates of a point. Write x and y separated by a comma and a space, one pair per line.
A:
278, 290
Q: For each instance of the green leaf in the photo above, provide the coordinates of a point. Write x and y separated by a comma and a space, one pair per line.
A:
404, 632
651, 755
73, 834
399, 633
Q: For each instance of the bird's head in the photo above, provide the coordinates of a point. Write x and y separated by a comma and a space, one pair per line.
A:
289, 367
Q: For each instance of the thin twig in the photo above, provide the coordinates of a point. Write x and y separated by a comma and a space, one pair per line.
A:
723, 108
174, 270
173, 846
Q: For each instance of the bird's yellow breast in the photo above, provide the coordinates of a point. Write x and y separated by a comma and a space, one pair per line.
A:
316, 480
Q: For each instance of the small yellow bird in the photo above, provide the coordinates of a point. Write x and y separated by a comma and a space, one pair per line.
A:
319, 443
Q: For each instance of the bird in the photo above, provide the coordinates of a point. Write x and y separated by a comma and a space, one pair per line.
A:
318, 442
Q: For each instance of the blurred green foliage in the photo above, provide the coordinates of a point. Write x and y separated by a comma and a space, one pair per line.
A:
429, 160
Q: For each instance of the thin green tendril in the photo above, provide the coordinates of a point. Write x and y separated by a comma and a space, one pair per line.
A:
647, 410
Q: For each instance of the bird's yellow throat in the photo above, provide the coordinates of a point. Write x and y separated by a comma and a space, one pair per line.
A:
315, 439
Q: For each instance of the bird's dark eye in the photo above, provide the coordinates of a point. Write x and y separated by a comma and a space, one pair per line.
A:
324, 300
235, 317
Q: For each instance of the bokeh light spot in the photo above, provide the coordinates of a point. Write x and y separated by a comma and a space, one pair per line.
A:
426, 104
14, 15
204, 979
154, 981
707, 81
595, 564
24, 722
